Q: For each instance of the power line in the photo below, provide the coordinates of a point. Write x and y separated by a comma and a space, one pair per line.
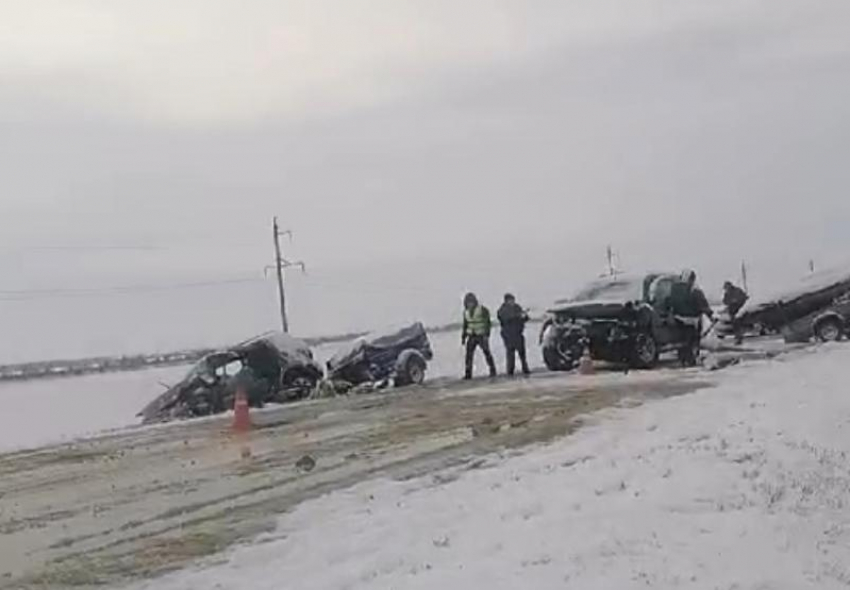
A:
102, 248
58, 293
312, 282
307, 281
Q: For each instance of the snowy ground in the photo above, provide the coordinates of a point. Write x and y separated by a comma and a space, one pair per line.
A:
54, 410
744, 485
140, 502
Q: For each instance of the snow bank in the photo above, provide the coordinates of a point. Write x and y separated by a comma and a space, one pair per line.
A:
742, 486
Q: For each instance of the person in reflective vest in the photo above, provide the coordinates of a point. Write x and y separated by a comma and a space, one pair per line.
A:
477, 326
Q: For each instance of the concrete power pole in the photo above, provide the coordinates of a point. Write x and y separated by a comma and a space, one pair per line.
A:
281, 264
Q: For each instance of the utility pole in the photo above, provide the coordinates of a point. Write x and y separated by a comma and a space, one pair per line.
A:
280, 265
812, 265
613, 271
744, 276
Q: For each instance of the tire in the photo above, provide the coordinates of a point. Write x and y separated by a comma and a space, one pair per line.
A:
297, 385
555, 360
411, 371
645, 352
829, 330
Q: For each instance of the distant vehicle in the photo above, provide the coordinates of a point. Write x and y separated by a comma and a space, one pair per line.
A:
622, 319
401, 356
818, 306
274, 368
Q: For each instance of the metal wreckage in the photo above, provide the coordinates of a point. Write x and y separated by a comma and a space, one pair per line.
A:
277, 368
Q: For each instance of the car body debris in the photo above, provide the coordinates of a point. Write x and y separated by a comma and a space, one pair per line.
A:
399, 357
273, 368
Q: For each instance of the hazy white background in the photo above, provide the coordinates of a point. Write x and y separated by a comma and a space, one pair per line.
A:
418, 149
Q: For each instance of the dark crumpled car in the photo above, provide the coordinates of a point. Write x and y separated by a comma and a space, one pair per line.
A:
273, 368
817, 306
622, 319
400, 355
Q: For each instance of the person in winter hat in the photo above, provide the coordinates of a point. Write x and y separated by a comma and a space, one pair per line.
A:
734, 298
477, 326
512, 318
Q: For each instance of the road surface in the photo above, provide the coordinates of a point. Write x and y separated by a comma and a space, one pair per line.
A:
145, 501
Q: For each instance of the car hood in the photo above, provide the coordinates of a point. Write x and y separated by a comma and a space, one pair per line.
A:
600, 308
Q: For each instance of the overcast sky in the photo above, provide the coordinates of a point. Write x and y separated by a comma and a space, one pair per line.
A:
416, 148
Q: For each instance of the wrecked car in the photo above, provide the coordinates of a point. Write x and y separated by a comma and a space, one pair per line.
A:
400, 356
274, 368
817, 306
621, 319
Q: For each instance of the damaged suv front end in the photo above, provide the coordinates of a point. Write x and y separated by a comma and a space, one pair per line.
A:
620, 319
605, 331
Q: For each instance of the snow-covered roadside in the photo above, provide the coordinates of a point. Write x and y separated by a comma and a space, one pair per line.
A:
47, 411
742, 486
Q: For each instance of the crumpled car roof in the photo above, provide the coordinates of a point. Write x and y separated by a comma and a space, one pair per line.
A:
287, 345
809, 284
382, 340
291, 350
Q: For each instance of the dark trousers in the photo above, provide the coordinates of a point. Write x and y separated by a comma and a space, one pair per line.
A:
692, 328
515, 346
482, 342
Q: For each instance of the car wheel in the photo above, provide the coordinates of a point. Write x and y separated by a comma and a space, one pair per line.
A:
829, 330
412, 371
645, 354
556, 358
297, 386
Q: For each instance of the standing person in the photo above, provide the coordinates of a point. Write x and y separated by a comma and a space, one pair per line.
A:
689, 305
477, 326
513, 318
734, 298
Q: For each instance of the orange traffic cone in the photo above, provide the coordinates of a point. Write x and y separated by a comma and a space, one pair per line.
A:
585, 363
241, 412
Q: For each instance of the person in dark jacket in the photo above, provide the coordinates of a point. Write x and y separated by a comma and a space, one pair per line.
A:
689, 305
687, 299
513, 318
734, 298
477, 326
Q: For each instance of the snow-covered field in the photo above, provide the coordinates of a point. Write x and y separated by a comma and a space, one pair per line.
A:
55, 410
745, 485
